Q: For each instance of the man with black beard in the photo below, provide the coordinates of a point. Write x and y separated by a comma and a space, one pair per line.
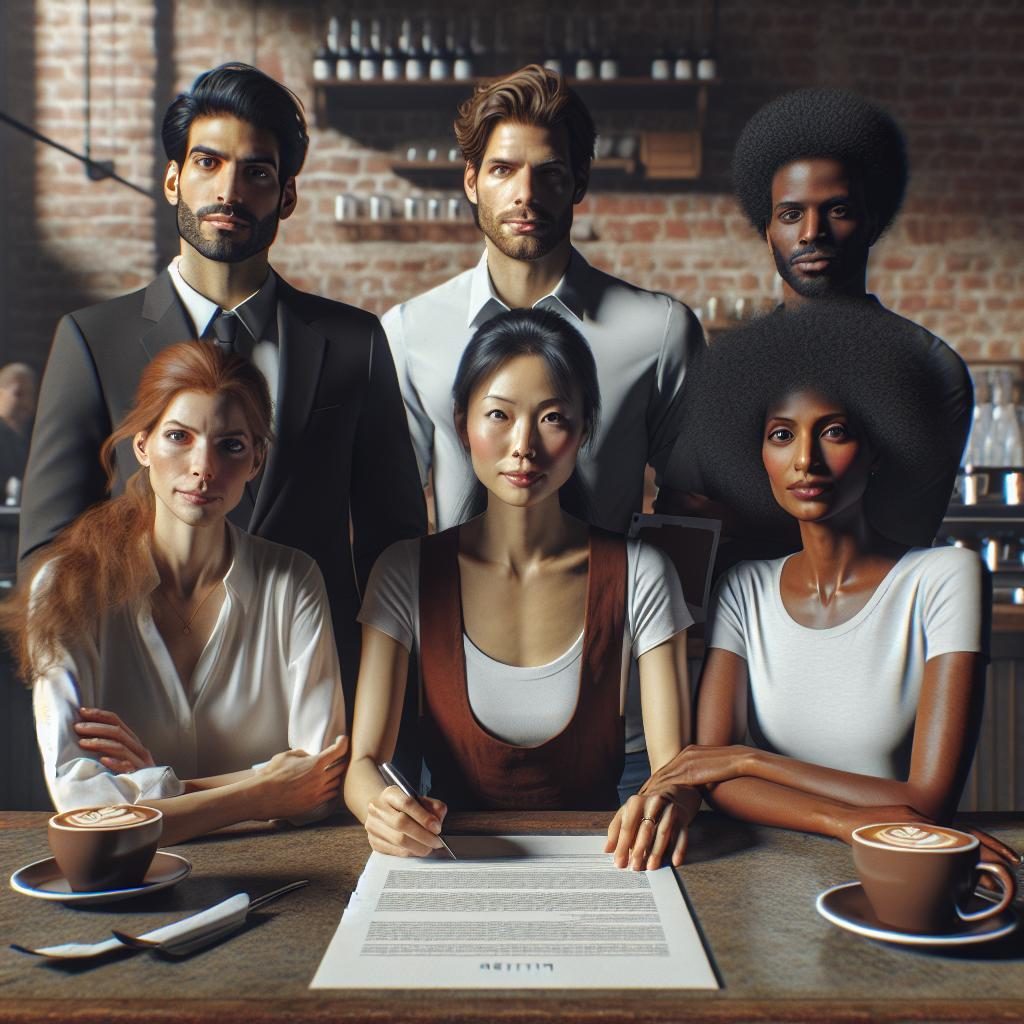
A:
528, 142
821, 173
342, 465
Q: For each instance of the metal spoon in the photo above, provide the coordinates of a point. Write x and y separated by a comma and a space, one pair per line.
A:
179, 938
207, 928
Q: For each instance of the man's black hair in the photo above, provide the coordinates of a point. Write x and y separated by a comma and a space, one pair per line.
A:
872, 362
250, 95
812, 123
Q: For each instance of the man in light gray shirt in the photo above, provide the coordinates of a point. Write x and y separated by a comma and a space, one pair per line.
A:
528, 142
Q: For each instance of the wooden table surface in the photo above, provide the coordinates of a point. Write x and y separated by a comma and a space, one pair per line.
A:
753, 890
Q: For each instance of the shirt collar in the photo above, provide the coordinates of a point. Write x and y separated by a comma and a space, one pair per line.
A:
239, 580
254, 312
568, 296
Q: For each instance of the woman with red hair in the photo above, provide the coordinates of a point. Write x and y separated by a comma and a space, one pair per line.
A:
175, 660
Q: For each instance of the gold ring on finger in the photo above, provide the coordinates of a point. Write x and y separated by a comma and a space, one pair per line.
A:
651, 820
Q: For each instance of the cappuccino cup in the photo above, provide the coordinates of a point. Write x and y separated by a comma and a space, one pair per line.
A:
918, 877
98, 848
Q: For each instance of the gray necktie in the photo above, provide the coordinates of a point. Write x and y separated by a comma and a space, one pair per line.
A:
225, 330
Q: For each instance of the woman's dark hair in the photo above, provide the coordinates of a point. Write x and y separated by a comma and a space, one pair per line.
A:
830, 123
250, 95
532, 332
871, 361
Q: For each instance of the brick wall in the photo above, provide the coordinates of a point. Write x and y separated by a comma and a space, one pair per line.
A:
951, 72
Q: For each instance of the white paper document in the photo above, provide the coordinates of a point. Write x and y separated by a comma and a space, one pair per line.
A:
515, 912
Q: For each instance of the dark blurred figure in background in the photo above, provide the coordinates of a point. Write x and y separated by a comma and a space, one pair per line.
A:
19, 388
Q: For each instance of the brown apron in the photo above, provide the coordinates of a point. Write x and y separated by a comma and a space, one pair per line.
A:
470, 769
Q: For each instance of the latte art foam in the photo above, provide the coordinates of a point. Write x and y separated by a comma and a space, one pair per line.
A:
118, 816
910, 837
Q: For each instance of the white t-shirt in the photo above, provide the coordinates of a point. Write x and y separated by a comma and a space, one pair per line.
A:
267, 680
846, 697
528, 705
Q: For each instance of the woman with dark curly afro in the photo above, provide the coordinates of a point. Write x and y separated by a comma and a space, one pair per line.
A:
855, 665
821, 173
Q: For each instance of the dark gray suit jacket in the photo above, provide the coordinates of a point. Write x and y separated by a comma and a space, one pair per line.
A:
342, 443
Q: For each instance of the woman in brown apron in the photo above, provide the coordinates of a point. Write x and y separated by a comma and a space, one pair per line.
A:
520, 620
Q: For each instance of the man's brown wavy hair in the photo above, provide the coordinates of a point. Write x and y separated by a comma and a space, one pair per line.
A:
102, 560
533, 96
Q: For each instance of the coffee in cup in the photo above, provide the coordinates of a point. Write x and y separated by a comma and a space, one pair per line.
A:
100, 848
918, 877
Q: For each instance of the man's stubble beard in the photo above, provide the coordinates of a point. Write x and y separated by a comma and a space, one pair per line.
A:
525, 247
852, 264
224, 249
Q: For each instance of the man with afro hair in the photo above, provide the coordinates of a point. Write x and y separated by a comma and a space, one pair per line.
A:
821, 173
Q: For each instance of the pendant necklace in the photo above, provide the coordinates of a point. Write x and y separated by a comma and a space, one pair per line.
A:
187, 623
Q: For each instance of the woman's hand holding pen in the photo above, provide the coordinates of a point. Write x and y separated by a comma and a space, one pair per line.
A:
649, 825
403, 826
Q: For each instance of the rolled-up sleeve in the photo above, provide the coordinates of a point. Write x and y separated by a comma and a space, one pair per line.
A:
74, 778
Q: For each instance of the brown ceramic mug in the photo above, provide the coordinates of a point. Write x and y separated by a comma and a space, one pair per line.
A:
918, 877
99, 848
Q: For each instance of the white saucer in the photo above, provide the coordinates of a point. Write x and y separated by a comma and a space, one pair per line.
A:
846, 906
43, 880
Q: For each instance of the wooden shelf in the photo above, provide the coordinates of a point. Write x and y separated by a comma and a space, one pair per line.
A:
607, 94
402, 230
671, 155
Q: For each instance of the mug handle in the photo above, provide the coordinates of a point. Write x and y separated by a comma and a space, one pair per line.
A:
1009, 888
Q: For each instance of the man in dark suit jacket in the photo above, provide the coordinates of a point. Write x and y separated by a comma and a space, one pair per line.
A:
234, 144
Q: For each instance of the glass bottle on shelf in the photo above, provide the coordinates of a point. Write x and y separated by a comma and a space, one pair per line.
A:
462, 65
323, 64
346, 60
415, 58
707, 66
661, 64
586, 59
440, 56
981, 422
1002, 442
682, 71
370, 59
323, 61
392, 59
553, 59
608, 69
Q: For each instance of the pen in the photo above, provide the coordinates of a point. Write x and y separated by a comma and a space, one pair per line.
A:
393, 777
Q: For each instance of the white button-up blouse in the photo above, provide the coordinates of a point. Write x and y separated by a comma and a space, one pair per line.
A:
267, 680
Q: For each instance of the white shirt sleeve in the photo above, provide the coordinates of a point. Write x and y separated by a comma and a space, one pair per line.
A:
656, 610
316, 712
73, 777
726, 617
421, 426
681, 348
391, 603
952, 602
